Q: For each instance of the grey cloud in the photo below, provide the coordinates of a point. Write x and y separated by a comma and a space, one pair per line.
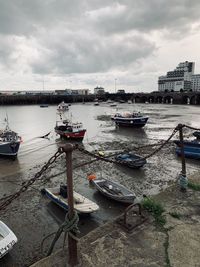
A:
59, 37
24, 17
142, 15
82, 53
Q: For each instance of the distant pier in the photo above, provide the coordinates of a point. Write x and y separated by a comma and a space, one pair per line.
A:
182, 98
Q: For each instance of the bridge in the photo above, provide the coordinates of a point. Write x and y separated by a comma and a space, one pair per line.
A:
192, 98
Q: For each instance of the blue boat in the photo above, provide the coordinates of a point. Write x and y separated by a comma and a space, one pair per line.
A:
128, 119
191, 148
131, 160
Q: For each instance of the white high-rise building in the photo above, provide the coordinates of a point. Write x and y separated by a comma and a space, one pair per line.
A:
180, 79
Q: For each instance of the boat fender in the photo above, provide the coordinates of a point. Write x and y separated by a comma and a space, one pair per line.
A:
91, 177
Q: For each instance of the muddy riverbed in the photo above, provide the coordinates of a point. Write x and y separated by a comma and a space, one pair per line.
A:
32, 216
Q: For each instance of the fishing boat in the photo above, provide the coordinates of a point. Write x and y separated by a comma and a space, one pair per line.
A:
7, 239
113, 190
44, 105
9, 141
70, 130
129, 102
131, 160
128, 119
191, 148
63, 107
59, 196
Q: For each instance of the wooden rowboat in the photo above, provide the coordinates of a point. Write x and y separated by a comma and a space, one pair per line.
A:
114, 190
81, 203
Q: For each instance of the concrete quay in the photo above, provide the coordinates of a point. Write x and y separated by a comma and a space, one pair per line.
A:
175, 244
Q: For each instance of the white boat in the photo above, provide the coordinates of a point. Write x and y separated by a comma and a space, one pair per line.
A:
63, 106
129, 102
59, 196
113, 104
7, 239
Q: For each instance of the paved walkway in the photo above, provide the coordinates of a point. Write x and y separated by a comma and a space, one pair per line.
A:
177, 244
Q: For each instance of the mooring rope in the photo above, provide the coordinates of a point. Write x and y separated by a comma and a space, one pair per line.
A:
69, 226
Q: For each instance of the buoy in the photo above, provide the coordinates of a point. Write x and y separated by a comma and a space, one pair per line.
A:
101, 153
91, 177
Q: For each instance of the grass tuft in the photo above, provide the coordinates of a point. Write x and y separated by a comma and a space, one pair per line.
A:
194, 186
156, 209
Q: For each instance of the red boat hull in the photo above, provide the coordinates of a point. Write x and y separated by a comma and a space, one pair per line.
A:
72, 135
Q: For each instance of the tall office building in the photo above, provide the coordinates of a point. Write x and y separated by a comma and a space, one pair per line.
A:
180, 79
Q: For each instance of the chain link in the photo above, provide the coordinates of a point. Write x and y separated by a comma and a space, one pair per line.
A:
122, 163
9, 199
192, 128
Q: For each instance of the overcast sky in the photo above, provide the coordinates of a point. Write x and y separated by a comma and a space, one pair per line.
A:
85, 43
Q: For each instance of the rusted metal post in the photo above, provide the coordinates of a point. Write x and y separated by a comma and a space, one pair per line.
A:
72, 243
182, 179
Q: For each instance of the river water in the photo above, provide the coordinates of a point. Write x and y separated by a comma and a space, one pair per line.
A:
32, 216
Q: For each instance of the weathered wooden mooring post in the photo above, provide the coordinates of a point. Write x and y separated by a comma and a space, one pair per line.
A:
72, 243
183, 181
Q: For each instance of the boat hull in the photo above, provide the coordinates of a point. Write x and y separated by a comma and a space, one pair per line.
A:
126, 196
9, 149
191, 149
8, 239
86, 206
71, 135
131, 160
130, 122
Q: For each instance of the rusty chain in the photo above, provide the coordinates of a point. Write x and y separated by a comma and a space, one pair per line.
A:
9, 199
162, 145
190, 127
122, 163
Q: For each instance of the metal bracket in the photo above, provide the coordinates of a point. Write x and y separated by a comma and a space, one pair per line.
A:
130, 222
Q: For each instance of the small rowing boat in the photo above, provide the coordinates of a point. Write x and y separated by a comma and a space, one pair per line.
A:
59, 196
7, 239
131, 160
113, 190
